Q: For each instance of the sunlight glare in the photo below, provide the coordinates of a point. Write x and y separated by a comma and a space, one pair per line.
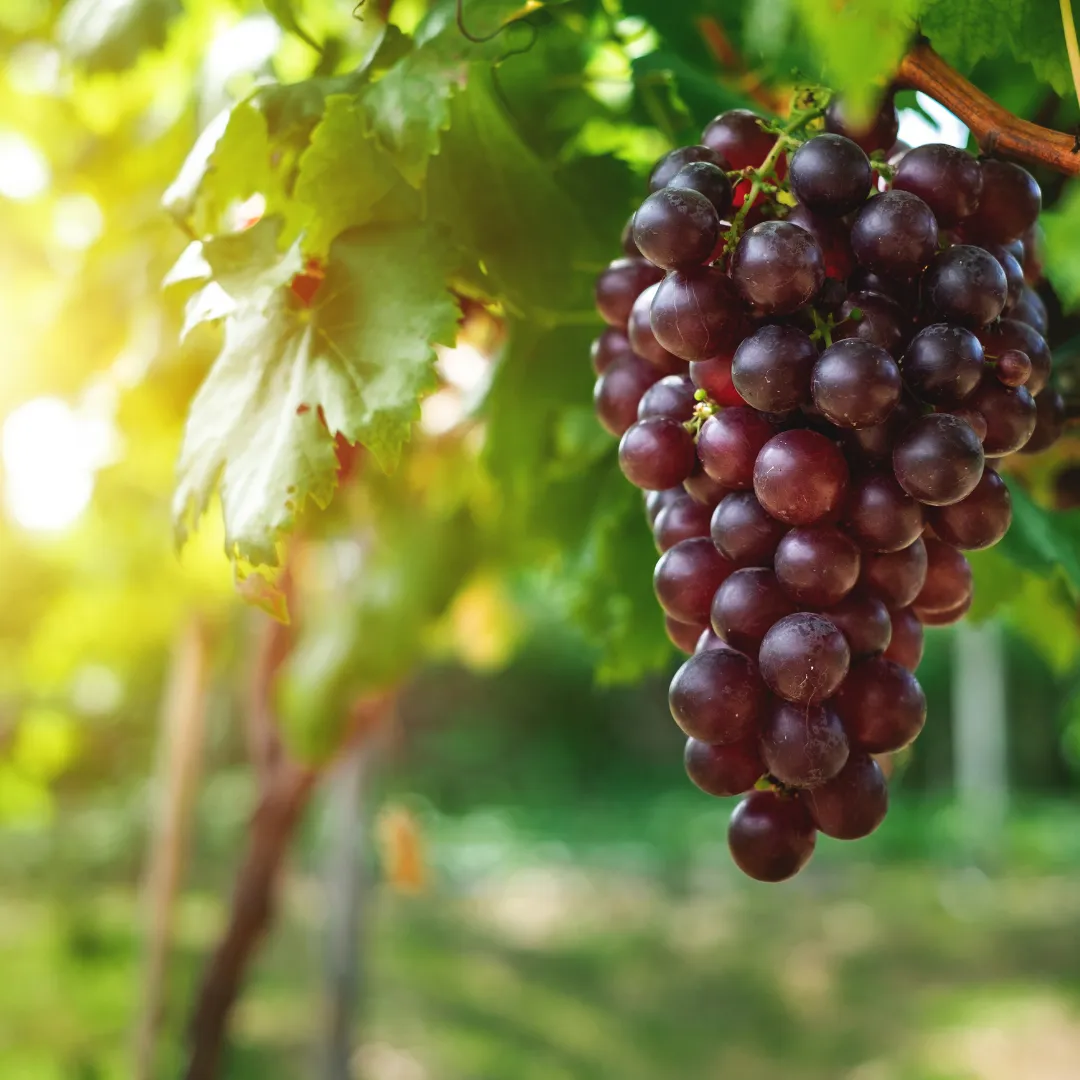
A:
24, 172
49, 456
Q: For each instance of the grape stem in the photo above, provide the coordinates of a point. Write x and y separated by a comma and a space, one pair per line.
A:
995, 128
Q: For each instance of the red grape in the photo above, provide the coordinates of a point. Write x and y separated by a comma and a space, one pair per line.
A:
880, 514
744, 531
717, 696
906, 645
668, 167
947, 179
803, 745
619, 286
672, 396
948, 578
894, 234
619, 390
881, 705
723, 770
777, 267
772, 367
656, 453
938, 459
980, 520
878, 133
830, 175
855, 384
729, 443
684, 519
817, 566
698, 315
771, 836
800, 477
1009, 203
676, 228
864, 620
686, 578
854, 803
804, 658
747, 605
1049, 421
966, 285
897, 576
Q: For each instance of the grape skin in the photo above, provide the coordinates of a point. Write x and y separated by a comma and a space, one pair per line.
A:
830, 175
772, 368
770, 836
697, 315
746, 607
669, 166
677, 228
729, 443
948, 581
717, 696
686, 578
948, 180
723, 770
854, 803
881, 706
879, 134
804, 658
865, 622
619, 286
803, 746
966, 285
800, 477
980, 520
938, 459
896, 577
894, 234
855, 384
777, 267
943, 364
817, 566
744, 531
906, 644
656, 453
684, 519
880, 514
619, 390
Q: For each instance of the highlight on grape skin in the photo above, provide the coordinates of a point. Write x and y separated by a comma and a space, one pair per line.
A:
852, 351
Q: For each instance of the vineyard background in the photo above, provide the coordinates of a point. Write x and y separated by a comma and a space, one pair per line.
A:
470, 702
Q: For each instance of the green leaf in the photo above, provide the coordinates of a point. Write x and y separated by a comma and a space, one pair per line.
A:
285, 16
343, 175
966, 31
361, 358
1043, 541
504, 207
229, 163
1062, 229
858, 43
111, 35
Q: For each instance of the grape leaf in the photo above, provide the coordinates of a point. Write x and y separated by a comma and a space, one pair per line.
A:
1061, 226
1045, 542
966, 31
111, 35
285, 16
229, 162
486, 186
342, 175
361, 357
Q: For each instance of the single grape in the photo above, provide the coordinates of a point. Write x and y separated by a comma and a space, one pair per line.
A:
817, 566
714, 377
1014, 273
896, 576
777, 267
668, 167
1008, 334
854, 803
864, 620
947, 179
966, 285
684, 636
943, 364
1010, 414
684, 519
717, 696
1050, 419
948, 578
946, 617
894, 234
873, 318
803, 745
737, 135
748, 603
687, 577
879, 133
698, 315
619, 390
832, 236
729, 443
938, 459
656, 502
672, 396
610, 346
1031, 311
701, 487
880, 514
800, 477
1013, 368
1009, 203
855, 384
723, 770
706, 179
744, 531
980, 520
881, 705
770, 836
677, 229
619, 285
656, 453
830, 175
804, 658
772, 367
642, 339
906, 646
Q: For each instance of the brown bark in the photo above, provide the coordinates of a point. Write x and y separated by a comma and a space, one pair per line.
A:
995, 129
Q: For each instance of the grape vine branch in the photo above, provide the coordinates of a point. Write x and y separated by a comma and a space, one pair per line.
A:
995, 128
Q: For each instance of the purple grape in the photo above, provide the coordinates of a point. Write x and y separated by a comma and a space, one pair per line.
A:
881, 706
1010, 414
873, 318
1008, 205
966, 285
656, 502
642, 339
672, 396
1012, 334
877, 134
717, 696
864, 620
619, 390
830, 175
706, 179
894, 234
610, 346
880, 514
804, 658
855, 384
1050, 419
656, 453
770, 836
723, 770
677, 229
729, 443
980, 520
620, 285
948, 180
896, 576
938, 459
744, 531
777, 267
800, 477
687, 577
906, 645
684, 519
684, 636
854, 803
1031, 311
772, 367
668, 167
817, 566
748, 603
698, 315
948, 581
737, 135
803, 745
832, 236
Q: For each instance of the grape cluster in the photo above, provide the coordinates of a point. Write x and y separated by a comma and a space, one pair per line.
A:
820, 345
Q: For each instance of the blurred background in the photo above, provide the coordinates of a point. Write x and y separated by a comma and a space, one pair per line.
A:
511, 876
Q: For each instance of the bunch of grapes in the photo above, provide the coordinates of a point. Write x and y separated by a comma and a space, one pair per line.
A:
820, 346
